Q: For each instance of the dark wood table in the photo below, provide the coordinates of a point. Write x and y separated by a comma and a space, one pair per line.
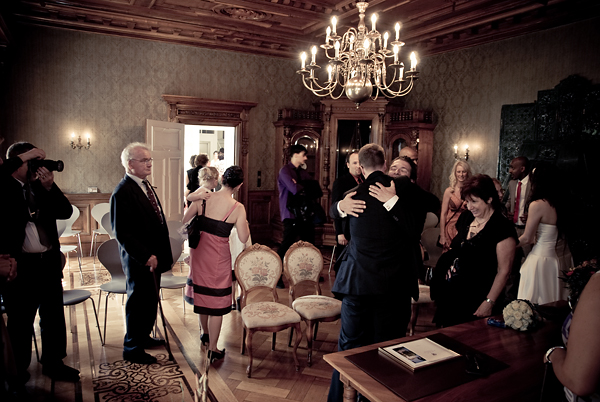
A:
522, 351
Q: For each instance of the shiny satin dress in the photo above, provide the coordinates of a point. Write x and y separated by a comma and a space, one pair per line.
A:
540, 272
455, 208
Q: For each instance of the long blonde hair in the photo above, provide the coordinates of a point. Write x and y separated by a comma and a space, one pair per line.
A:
207, 174
465, 166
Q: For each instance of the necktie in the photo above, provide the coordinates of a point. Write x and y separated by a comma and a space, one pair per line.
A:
517, 203
34, 216
152, 199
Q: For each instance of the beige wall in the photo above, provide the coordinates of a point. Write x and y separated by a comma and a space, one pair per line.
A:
64, 81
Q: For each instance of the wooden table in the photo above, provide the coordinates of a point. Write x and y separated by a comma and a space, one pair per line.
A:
521, 381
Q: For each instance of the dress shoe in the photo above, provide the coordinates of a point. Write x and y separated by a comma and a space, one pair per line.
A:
153, 342
204, 339
215, 355
61, 372
139, 357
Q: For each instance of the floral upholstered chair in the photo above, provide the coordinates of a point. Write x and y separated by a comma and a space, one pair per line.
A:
302, 264
259, 268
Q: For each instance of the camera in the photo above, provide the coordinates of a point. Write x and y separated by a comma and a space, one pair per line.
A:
35, 164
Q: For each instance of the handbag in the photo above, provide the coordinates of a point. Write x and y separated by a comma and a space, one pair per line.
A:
194, 228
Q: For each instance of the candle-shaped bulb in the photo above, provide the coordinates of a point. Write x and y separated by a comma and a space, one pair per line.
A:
303, 57
397, 30
413, 61
386, 35
373, 21
337, 49
455, 148
328, 34
466, 147
72, 135
334, 23
329, 70
314, 54
366, 45
396, 50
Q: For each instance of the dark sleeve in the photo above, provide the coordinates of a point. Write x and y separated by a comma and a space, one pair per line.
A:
53, 201
431, 203
333, 211
336, 195
10, 165
504, 228
462, 226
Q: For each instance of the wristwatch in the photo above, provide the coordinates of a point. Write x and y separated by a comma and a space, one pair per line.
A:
549, 352
490, 301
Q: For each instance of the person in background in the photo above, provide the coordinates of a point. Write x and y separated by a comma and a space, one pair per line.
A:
469, 279
192, 185
208, 178
411, 153
215, 159
452, 203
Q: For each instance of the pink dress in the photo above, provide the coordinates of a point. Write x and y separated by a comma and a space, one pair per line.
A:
208, 286
456, 207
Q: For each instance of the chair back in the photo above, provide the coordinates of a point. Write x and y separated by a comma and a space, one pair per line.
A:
173, 229
61, 225
257, 267
106, 225
176, 249
429, 240
99, 211
303, 262
110, 257
68, 231
431, 221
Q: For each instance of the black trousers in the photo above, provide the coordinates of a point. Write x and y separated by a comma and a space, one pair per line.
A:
367, 320
141, 307
294, 229
37, 287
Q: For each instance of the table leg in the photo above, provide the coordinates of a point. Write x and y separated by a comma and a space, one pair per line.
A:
349, 393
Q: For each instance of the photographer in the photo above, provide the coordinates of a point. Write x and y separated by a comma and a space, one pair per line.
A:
31, 204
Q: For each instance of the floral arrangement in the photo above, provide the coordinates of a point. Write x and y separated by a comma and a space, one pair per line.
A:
521, 315
577, 277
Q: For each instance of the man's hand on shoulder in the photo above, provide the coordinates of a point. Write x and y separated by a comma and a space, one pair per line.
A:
381, 192
152, 263
350, 206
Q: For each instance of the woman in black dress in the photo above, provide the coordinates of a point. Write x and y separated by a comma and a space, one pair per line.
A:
469, 279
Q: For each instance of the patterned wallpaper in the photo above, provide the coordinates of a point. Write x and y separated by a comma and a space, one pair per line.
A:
64, 81
466, 89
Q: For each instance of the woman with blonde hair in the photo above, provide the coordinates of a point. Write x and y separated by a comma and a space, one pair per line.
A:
208, 177
452, 204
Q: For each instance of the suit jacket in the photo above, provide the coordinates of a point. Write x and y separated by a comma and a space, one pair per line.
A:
340, 186
14, 214
138, 229
512, 191
286, 186
382, 257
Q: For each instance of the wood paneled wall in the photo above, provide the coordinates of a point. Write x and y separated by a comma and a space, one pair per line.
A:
86, 223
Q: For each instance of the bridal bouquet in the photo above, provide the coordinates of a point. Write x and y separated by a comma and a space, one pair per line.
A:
521, 315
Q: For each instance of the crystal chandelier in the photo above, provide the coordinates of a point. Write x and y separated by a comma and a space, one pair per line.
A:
357, 63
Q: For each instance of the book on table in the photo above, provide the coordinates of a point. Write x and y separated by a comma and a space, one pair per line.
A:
418, 354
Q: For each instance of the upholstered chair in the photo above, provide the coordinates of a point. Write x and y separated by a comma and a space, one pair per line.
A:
257, 269
302, 266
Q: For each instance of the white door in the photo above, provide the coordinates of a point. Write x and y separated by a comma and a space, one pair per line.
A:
166, 144
208, 144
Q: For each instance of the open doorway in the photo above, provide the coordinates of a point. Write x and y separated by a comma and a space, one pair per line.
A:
217, 142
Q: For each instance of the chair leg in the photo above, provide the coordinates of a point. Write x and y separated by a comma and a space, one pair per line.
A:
316, 329
249, 346
243, 347
183, 299
298, 339
105, 313
273, 340
331, 259
309, 339
92, 245
291, 335
97, 323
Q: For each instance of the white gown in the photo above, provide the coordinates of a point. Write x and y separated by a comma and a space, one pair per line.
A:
540, 272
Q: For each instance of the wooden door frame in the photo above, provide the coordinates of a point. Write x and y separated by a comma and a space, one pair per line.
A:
216, 112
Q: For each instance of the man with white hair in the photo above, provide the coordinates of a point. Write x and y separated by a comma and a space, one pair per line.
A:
141, 230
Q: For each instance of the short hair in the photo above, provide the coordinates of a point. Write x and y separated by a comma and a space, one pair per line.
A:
127, 153
523, 160
233, 176
354, 151
481, 186
19, 148
193, 160
465, 166
371, 156
201, 160
408, 149
412, 164
207, 173
296, 149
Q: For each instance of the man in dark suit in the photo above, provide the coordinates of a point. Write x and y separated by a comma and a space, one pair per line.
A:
30, 205
141, 230
342, 184
377, 275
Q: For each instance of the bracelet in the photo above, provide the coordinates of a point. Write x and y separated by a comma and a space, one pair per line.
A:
549, 352
490, 301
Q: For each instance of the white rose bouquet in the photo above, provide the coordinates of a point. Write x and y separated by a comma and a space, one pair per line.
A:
521, 315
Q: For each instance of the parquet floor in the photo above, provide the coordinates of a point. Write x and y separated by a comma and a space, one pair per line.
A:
106, 377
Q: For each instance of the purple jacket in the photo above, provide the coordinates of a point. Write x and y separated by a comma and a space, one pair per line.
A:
287, 186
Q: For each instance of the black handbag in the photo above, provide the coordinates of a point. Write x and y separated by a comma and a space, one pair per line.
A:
194, 228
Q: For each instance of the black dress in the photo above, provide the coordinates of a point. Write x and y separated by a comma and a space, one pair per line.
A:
459, 298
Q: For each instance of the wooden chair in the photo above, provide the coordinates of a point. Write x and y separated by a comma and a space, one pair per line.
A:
258, 268
302, 266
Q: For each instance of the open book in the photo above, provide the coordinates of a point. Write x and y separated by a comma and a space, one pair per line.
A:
420, 353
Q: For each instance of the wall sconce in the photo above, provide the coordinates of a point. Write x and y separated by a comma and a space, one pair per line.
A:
78, 144
456, 157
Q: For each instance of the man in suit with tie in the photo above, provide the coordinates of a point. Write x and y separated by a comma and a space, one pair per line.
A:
378, 271
30, 205
140, 228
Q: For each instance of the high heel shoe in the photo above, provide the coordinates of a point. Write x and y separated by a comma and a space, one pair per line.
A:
204, 339
215, 355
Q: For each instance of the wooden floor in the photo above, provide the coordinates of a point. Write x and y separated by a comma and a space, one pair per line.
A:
105, 376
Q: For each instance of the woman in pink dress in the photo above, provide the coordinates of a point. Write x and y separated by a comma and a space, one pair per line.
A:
209, 280
452, 204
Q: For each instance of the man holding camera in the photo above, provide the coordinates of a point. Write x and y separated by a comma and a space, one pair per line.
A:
31, 204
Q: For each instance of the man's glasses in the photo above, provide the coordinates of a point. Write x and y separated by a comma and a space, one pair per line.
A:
145, 160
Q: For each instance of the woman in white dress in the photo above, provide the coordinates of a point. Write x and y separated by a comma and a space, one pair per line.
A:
550, 255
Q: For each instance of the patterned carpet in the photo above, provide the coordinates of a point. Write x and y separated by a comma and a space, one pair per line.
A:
123, 381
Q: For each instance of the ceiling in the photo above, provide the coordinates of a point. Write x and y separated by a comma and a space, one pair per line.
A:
284, 28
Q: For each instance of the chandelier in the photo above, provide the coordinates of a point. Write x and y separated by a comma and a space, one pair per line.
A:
357, 63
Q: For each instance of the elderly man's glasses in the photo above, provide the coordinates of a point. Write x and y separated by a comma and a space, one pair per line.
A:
145, 160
